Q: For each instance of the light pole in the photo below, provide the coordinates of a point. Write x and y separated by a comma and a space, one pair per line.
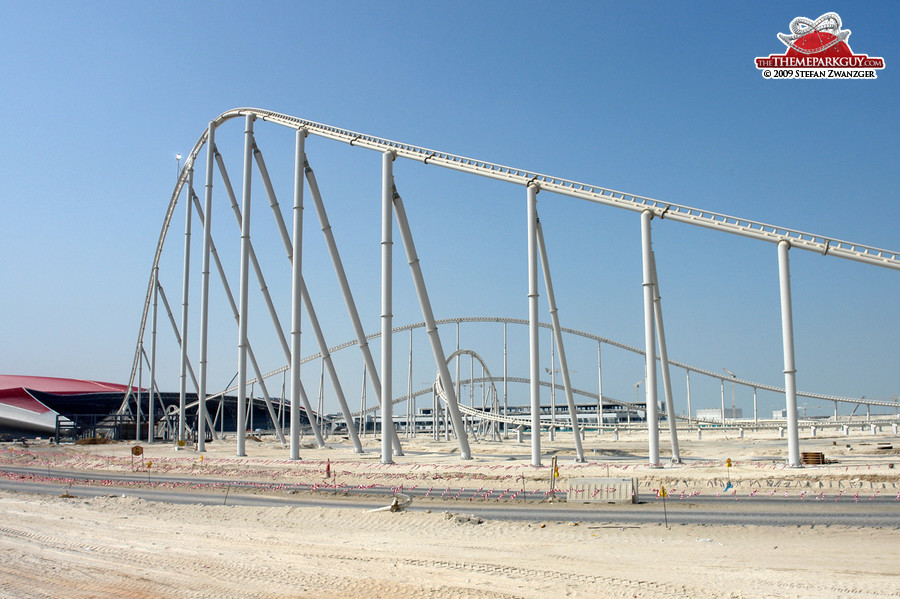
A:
636, 385
732, 395
552, 372
177, 166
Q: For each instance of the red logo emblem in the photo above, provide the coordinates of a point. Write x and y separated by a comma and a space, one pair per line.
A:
818, 50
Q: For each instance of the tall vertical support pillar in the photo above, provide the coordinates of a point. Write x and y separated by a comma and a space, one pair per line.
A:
387, 230
790, 371
552, 371
297, 293
137, 415
599, 391
649, 339
687, 376
458, 386
363, 417
410, 402
204, 289
243, 312
185, 293
505, 382
557, 332
722, 397
756, 412
370, 369
533, 329
150, 423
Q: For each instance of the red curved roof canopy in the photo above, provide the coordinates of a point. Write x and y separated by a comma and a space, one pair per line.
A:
14, 389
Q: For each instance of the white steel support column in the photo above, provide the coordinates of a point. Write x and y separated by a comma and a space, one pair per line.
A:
790, 372
387, 231
756, 413
410, 402
328, 363
563, 364
185, 289
204, 289
458, 386
352, 311
190, 368
434, 337
297, 293
664, 359
687, 375
505, 383
234, 310
552, 372
150, 423
533, 328
273, 200
649, 339
722, 396
243, 310
264, 290
310, 309
362, 404
599, 391
137, 415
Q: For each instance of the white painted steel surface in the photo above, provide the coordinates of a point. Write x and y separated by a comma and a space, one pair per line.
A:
790, 371
664, 362
243, 306
349, 302
387, 233
797, 239
297, 292
557, 333
431, 328
533, 337
649, 340
185, 294
204, 290
817, 243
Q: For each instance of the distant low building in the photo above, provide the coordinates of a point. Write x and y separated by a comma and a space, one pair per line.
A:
715, 414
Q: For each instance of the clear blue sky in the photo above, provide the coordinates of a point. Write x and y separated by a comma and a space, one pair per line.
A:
655, 98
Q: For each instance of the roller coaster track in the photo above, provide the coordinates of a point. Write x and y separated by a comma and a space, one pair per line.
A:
599, 339
738, 226
601, 195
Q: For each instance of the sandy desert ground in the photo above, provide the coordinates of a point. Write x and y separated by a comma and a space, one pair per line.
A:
118, 545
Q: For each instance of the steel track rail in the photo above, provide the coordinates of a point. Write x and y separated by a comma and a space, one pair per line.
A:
705, 218
611, 342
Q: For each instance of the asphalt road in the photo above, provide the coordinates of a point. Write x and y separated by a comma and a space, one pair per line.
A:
880, 511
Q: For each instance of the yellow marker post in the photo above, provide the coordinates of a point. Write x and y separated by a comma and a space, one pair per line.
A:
663, 493
554, 469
